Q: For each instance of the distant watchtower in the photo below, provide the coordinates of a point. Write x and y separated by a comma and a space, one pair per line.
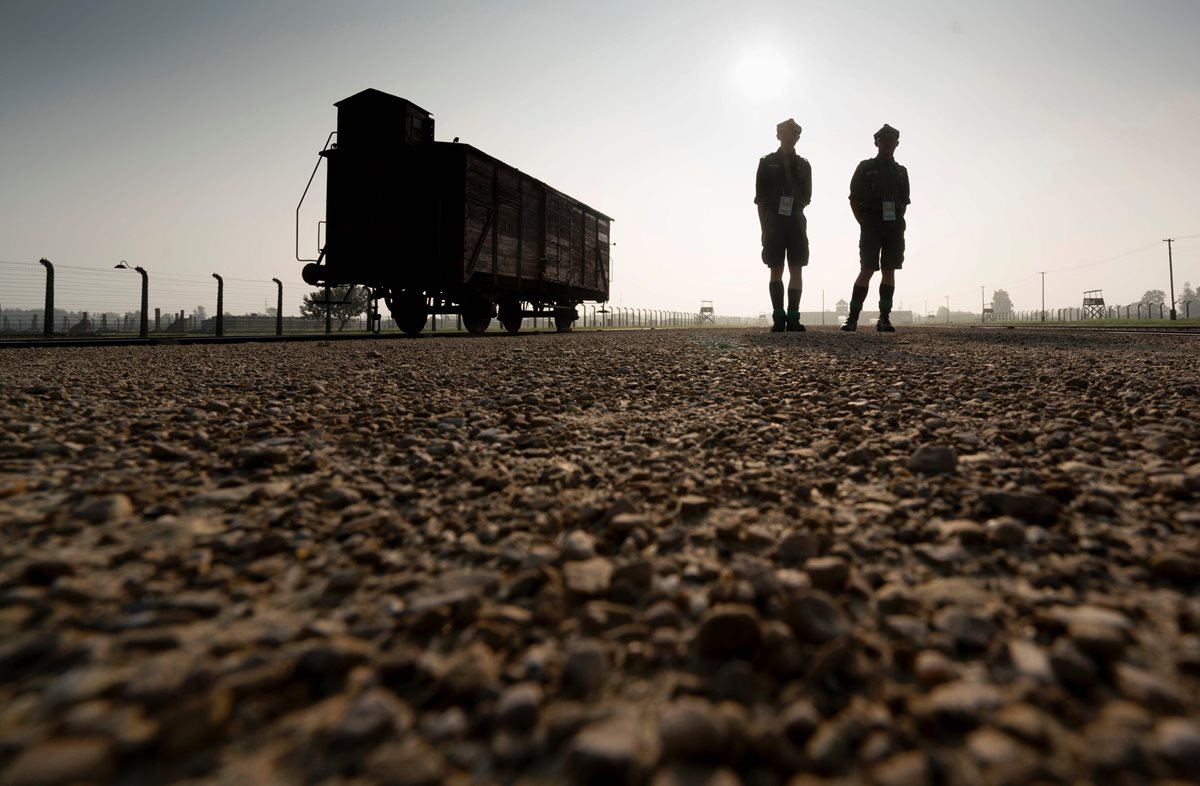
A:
706, 312
989, 313
1093, 304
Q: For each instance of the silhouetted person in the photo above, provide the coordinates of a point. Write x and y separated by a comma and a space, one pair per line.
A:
783, 188
878, 197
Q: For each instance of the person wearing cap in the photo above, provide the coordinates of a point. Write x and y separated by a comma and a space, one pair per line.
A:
878, 198
783, 188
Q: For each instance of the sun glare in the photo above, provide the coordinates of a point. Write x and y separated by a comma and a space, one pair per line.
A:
761, 74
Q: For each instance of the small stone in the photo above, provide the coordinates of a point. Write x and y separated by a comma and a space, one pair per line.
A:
1070, 665
1177, 741
114, 507
992, 748
1175, 566
1030, 660
933, 668
1149, 690
910, 768
796, 549
164, 451
373, 716
590, 577
827, 573
815, 617
471, 671
799, 720
693, 505
691, 730
729, 630
42, 571
62, 761
585, 667
1033, 508
663, 614
410, 763
1005, 531
519, 705
578, 545
933, 460
1104, 642
965, 531
962, 704
1023, 721
970, 631
624, 523
618, 750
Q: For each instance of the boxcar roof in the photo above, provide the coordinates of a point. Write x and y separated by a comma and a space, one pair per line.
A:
531, 177
371, 94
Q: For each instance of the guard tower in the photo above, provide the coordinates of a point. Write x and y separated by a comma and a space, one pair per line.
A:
989, 313
1093, 304
706, 312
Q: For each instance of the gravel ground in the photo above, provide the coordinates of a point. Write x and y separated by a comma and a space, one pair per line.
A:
693, 557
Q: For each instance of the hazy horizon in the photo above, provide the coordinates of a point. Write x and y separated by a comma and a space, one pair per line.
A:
1038, 136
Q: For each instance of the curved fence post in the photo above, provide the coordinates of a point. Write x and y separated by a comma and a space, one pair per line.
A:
48, 317
220, 304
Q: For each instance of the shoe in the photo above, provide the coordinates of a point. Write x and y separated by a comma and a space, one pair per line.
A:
779, 325
884, 325
850, 326
793, 324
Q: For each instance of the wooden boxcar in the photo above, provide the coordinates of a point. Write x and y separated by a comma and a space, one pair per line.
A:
441, 227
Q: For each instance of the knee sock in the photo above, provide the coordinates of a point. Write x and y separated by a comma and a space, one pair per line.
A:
857, 296
777, 295
885, 298
793, 300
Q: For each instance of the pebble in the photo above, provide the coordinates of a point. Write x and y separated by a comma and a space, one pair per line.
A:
617, 750
933, 460
113, 507
728, 630
827, 573
589, 577
578, 545
519, 705
815, 617
692, 730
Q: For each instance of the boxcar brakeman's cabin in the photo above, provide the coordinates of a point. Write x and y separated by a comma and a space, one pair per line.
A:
443, 228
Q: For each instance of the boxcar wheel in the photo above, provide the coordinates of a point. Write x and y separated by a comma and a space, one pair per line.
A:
409, 310
510, 315
476, 315
564, 318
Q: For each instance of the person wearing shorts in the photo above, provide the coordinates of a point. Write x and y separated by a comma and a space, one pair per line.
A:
879, 195
783, 188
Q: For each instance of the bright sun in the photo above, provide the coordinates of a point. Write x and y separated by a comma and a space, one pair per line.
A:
761, 74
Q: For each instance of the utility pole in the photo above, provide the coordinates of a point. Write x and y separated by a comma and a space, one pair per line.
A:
1171, 272
947, 309
1043, 275
981, 302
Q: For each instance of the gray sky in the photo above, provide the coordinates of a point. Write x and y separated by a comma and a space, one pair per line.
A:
1038, 135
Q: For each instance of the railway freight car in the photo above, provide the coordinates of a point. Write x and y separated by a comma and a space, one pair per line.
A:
443, 228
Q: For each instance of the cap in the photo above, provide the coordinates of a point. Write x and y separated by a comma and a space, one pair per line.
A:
887, 131
788, 125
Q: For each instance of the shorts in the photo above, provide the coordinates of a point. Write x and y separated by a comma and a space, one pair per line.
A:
787, 238
881, 245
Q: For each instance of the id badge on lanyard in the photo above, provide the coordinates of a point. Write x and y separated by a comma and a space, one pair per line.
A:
889, 211
785, 205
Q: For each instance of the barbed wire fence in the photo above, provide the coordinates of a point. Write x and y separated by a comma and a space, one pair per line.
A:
89, 301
